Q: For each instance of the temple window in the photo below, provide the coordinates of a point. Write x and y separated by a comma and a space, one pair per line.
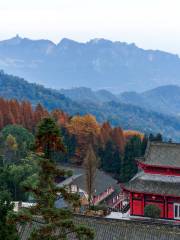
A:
177, 210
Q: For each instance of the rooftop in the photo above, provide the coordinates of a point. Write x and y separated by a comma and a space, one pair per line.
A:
162, 154
110, 229
102, 180
154, 184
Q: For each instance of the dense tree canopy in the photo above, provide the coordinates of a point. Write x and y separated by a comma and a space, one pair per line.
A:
15, 138
111, 145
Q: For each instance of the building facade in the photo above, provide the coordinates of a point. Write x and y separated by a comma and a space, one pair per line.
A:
105, 188
157, 182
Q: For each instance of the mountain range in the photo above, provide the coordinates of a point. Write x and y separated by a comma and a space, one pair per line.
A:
96, 64
164, 99
102, 104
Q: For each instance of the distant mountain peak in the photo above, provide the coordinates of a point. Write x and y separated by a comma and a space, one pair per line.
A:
67, 42
98, 64
99, 41
17, 36
14, 40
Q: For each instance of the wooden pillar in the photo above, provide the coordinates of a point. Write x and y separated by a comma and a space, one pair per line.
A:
142, 205
165, 207
131, 204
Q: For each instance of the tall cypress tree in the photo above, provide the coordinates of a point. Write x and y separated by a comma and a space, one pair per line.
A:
129, 168
110, 158
58, 222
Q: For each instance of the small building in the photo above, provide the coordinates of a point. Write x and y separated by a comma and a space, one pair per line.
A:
157, 182
106, 188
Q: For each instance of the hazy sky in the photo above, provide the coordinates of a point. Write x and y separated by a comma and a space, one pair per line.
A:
149, 23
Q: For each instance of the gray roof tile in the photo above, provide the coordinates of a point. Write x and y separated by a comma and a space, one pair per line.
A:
163, 154
154, 183
102, 180
108, 229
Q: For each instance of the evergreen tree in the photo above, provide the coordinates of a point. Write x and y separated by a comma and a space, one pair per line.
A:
110, 158
48, 139
70, 143
155, 138
7, 229
129, 166
58, 223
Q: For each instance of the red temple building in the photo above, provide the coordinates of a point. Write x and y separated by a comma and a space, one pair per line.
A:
157, 182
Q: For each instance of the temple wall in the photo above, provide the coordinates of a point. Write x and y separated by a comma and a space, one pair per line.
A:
139, 201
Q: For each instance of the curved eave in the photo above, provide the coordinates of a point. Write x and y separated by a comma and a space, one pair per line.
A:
124, 188
145, 165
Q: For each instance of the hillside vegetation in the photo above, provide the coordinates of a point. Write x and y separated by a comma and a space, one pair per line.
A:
117, 113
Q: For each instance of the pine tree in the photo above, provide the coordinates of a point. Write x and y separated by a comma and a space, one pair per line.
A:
48, 139
110, 158
129, 168
7, 229
58, 223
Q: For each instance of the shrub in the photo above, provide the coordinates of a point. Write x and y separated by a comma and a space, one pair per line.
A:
152, 211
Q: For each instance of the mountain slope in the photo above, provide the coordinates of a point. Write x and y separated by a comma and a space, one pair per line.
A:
165, 99
125, 115
97, 64
82, 94
18, 88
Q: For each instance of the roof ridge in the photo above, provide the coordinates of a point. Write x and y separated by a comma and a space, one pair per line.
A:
164, 144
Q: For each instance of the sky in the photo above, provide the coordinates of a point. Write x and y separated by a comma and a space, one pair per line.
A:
151, 24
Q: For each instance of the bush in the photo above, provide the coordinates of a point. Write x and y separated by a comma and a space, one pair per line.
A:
98, 207
152, 211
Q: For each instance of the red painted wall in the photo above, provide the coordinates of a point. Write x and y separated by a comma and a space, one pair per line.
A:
137, 207
170, 210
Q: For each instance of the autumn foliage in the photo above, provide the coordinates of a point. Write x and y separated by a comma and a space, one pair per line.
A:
128, 134
84, 129
87, 130
14, 112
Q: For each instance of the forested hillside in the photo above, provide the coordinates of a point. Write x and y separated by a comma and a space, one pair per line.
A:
118, 114
12, 87
164, 99
114, 147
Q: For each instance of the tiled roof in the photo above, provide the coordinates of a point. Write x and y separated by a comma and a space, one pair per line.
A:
108, 229
163, 154
102, 180
154, 183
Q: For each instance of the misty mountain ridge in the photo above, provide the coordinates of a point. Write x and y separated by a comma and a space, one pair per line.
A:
97, 64
117, 113
164, 99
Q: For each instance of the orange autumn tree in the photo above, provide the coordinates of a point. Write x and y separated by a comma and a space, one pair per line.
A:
128, 134
87, 130
60, 117
116, 135
20, 113
118, 138
105, 133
